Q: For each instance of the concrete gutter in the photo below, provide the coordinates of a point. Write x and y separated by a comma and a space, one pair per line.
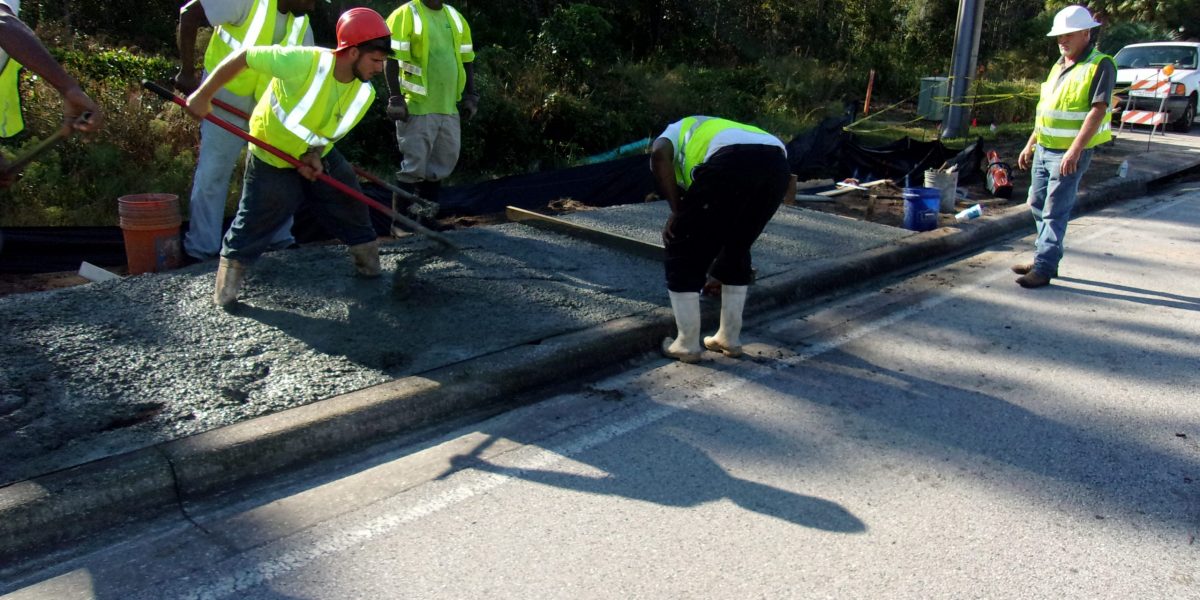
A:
62, 507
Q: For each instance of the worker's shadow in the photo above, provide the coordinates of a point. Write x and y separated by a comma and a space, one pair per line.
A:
673, 472
1133, 294
919, 415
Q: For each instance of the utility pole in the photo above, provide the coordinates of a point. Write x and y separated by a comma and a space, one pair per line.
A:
962, 66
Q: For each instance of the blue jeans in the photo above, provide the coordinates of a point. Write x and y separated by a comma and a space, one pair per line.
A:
271, 195
1051, 199
219, 151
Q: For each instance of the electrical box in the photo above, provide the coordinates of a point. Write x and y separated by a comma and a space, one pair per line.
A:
931, 103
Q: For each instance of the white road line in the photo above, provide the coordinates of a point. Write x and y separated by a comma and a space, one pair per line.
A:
311, 545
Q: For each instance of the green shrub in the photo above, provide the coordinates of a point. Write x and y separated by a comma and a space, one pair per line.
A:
1005, 101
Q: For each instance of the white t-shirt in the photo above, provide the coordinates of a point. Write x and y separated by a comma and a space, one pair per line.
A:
728, 137
233, 12
15, 7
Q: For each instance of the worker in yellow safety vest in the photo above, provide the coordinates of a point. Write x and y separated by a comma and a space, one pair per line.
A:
315, 97
236, 24
431, 83
1074, 114
723, 181
19, 46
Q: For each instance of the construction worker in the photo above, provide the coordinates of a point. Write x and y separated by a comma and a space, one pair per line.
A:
236, 24
430, 82
724, 181
19, 46
315, 97
1073, 117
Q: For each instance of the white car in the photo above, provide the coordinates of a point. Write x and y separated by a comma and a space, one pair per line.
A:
1141, 62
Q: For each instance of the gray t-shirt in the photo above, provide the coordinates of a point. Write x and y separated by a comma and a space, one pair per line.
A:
233, 12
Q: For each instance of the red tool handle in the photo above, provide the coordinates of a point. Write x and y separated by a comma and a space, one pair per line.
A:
237, 112
291, 160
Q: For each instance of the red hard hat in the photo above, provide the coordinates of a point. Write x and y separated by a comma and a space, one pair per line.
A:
359, 25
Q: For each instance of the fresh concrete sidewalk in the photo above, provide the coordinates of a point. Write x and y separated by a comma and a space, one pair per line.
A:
813, 258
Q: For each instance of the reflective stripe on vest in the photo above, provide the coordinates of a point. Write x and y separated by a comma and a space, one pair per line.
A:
11, 121
412, 71
293, 119
258, 18
695, 136
1061, 112
258, 29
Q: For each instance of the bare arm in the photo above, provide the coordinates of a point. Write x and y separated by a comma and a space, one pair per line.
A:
23, 46
1025, 159
391, 75
191, 18
662, 165
199, 103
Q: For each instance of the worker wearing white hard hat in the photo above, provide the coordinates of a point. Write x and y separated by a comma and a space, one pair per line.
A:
1072, 19
1074, 113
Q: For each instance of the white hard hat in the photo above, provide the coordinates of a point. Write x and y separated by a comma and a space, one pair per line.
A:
1072, 19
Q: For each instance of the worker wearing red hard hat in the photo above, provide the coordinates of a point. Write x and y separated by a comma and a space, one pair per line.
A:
1073, 117
236, 24
316, 96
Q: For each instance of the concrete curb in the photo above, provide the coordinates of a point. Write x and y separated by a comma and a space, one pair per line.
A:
65, 506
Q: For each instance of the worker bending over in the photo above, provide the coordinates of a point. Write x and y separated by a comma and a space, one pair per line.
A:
316, 96
724, 182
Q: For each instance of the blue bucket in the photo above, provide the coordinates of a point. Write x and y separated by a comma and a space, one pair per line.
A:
921, 208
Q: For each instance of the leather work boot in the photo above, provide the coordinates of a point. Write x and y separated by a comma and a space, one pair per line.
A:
1033, 279
728, 340
230, 274
1022, 268
686, 345
366, 258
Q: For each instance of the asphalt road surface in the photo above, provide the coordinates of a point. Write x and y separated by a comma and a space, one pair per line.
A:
948, 435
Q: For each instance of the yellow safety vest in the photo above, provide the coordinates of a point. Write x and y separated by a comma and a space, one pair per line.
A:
410, 44
11, 122
695, 136
257, 29
299, 119
1060, 114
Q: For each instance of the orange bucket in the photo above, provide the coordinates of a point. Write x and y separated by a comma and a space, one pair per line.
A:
151, 223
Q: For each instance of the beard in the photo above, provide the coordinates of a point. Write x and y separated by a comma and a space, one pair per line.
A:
362, 76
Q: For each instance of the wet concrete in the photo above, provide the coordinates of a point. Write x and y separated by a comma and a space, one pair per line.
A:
110, 367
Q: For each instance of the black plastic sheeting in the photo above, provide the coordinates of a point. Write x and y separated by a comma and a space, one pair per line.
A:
823, 152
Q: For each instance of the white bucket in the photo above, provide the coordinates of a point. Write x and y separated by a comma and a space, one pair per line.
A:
947, 183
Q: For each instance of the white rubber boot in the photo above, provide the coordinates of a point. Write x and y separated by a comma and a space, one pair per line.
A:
366, 258
230, 273
728, 340
686, 345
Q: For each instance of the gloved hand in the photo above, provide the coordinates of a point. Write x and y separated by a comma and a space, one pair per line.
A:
397, 108
468, 106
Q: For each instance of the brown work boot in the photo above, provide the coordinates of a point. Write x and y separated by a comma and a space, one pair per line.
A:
230, 273
1022, 268
1033, 279
366, 258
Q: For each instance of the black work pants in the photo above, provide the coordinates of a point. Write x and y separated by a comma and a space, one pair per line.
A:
733, 196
